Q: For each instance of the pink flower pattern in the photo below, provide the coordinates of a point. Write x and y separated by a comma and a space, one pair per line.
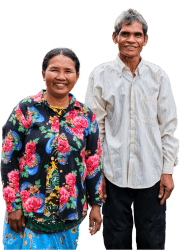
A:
32, 204
9, 194
30, 148
55, 125
25, 195
92, 163
63, 146
63, 196
70, 179
7, 145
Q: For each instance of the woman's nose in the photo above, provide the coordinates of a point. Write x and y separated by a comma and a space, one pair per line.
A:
61, 76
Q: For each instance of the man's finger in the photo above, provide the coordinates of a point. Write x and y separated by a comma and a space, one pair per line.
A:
165, 197
161, 191
91, 224
15, 228
97, 227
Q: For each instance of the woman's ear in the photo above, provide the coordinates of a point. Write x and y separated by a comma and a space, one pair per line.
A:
43, 75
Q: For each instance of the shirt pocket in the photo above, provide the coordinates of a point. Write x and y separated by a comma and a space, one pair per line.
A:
147, 106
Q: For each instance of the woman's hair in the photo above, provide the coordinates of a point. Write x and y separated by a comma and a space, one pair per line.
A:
128, 17
61, 51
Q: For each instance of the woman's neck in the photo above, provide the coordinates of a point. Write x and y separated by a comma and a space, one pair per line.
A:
57, 101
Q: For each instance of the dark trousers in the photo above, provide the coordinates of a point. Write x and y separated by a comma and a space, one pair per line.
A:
149, 218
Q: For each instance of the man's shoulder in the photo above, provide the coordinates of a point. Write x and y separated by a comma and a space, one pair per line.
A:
103, 68
154, 68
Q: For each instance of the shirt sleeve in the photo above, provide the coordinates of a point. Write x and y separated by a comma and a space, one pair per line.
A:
167, 120
13, 139
96, 103
94, 165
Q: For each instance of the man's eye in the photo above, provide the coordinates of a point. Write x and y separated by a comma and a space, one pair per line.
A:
138, 34
54, 70
124, 33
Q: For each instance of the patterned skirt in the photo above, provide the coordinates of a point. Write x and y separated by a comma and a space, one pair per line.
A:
31, 240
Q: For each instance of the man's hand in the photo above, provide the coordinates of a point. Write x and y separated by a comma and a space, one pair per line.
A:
95, 219
166, 187
104, 189
16, 221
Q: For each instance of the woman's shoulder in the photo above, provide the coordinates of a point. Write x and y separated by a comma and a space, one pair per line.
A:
30, 101
85, 110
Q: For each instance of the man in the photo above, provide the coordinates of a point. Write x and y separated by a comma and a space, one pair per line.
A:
136, 114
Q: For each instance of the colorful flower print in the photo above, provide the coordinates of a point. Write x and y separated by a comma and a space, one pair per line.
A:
49, 145
14, 180
72, 217
29, 163
63, 196
80, 124
35, 115
11, 143
26, 123
92, 166
24, 195
37, 98
99, 188
7, 145
70, 179
9, 194
63, 146
71, 115
68, 197
32, 204
54, 179
54, 121
41, 197
30, 148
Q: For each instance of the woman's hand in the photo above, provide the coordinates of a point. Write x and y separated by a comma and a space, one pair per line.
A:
16, 221
95, 219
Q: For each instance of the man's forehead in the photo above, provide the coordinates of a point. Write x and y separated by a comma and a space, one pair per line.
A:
135, 26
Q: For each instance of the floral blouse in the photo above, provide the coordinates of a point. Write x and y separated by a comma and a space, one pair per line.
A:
32, 133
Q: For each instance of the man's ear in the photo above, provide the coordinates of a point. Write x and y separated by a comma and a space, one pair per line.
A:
114, 37
145, 40
43, 75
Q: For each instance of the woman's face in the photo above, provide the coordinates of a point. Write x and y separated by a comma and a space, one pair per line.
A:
60, 76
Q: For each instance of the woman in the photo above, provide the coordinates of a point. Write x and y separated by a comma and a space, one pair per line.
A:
51, 162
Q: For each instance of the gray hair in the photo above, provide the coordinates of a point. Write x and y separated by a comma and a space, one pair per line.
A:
128, 17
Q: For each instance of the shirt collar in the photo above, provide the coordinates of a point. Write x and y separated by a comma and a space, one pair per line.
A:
40, 99
120, 66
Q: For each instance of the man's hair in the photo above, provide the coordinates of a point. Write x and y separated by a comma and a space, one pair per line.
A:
128, 17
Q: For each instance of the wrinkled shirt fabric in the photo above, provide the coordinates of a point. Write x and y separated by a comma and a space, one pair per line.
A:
137, 119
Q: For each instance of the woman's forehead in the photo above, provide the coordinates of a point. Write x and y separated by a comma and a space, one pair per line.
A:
61, 61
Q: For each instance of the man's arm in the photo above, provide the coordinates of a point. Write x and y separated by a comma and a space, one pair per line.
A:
167, 119
96, 103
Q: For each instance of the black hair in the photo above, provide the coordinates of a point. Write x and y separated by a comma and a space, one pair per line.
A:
61, 51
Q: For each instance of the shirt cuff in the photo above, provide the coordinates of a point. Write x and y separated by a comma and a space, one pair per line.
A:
176, 162
168, 168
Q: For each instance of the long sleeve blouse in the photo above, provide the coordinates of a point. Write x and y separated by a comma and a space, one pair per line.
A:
31, 133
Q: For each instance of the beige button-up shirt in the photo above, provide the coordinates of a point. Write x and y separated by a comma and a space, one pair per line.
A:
137, 119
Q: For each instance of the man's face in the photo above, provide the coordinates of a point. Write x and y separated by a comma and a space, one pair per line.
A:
131, 39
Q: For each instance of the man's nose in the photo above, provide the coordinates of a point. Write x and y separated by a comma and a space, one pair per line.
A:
131, 38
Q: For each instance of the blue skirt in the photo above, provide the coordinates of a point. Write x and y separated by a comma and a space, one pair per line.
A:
31, 240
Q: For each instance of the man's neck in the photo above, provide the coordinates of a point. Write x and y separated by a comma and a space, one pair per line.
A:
130, 62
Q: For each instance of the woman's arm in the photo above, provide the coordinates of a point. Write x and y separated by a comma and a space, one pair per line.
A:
14, 132
94, 175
